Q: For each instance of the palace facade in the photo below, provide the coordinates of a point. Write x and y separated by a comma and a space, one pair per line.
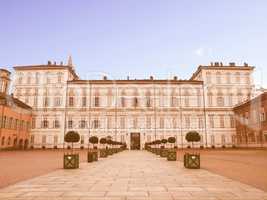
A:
133, 111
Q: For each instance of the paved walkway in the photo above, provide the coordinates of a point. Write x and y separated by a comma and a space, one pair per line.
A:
131, 175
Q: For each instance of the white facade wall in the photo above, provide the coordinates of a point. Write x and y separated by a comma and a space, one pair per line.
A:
176, 106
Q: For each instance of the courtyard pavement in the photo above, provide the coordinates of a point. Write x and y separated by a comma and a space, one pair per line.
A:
131, 175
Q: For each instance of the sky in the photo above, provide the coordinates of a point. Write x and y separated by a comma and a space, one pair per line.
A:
135, 38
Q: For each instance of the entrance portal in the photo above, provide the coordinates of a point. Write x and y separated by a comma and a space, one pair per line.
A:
135, 141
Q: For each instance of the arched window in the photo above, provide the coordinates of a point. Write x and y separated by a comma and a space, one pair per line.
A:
3, 141
8, 141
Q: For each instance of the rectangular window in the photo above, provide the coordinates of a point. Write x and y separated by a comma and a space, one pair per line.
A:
70, 124
161, 123
148, 102
122, 122
187, 121
46, 101
96, 124
96, 101
83, 101
44, 139
56, 124
221, 121
57, 101
148, 122
71, 101
82, 124
211, 119
55, 140
45, 123
232, 121
122, 102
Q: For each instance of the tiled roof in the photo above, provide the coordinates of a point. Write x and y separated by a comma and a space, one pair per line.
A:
6, 99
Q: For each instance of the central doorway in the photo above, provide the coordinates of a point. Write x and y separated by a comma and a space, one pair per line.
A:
135, 141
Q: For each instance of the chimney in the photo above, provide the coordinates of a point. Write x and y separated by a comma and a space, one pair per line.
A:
245, 64
55, 63
49, 62
105, 78
128, 78
232, 64
211, 64
221, 64
61, 63
175, 78
151, 77
217, 64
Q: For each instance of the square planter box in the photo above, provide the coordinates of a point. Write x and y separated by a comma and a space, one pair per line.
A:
103, 153
110, 151
192, 161
164, 153
158, 151
95, 155
171, 155
71, 161
90, 156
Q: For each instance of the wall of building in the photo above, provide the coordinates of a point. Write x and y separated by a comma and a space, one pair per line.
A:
175, 108
15, 123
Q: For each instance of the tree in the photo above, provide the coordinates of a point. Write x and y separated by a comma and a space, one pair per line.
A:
103, 141
164, 141
171, 140
72, 137
192, 136
93, 140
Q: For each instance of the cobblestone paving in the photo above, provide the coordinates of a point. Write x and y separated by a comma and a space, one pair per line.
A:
131, 175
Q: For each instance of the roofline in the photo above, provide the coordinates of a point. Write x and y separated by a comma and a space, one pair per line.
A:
46, 67
136, 81
2, 69
251, 101
200, 67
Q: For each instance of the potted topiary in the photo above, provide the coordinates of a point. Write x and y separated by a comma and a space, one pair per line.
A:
71, 160
164, 151
172, 151
103, 151
158, 142
109, 142
192, 160
92, 154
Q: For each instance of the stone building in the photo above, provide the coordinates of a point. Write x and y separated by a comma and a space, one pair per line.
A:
251, 122
131, 110
15, 117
